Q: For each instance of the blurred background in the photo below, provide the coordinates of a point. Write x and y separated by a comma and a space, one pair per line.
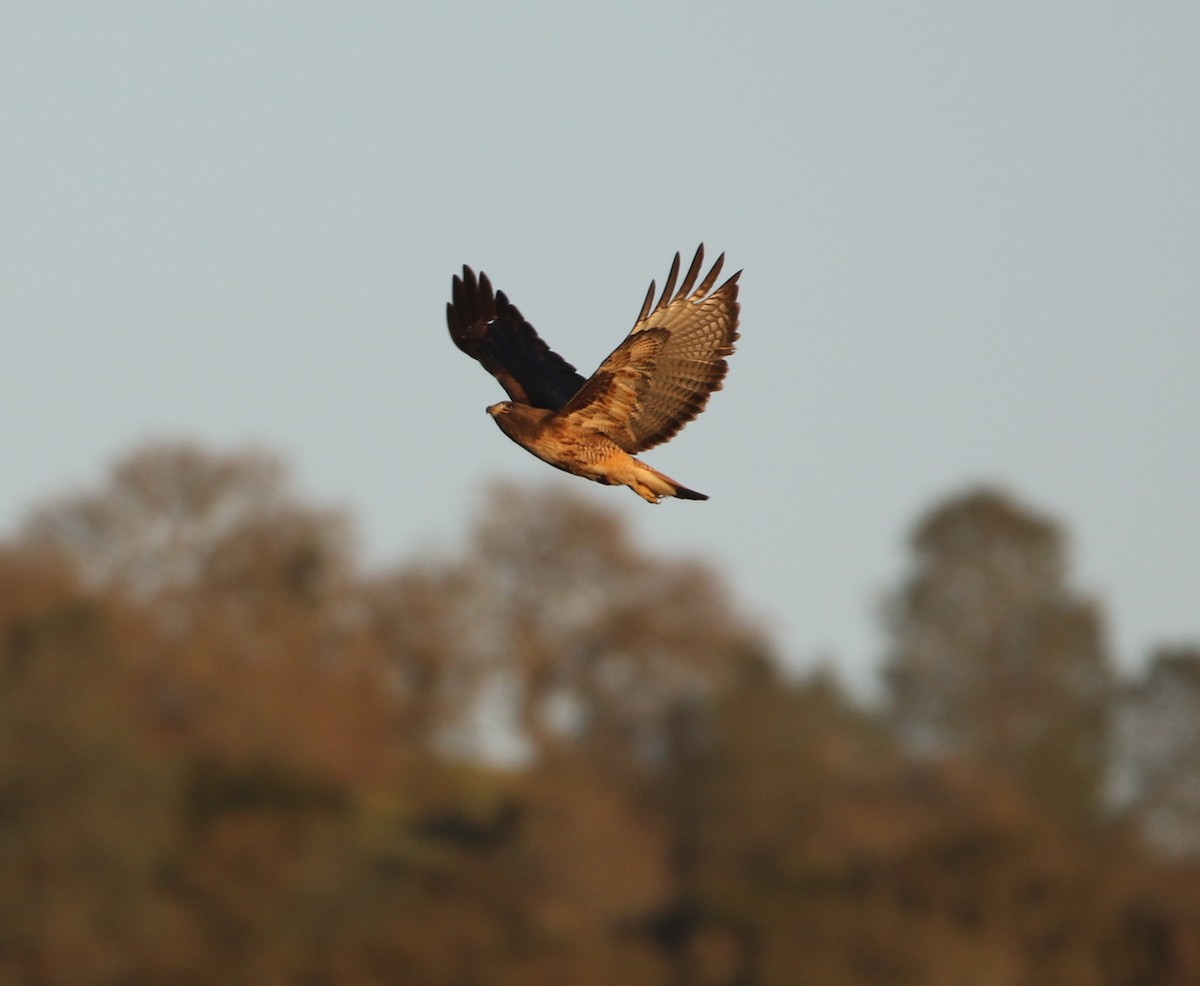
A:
309, 676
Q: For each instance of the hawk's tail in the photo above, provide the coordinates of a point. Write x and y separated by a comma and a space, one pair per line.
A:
659, 484
685, 494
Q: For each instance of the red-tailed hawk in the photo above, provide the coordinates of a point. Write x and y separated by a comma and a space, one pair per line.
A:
651, 385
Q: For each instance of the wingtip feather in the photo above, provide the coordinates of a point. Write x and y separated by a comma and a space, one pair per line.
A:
646, 304
693, 272
669, 285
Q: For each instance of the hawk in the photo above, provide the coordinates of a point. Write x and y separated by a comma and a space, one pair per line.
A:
652, 384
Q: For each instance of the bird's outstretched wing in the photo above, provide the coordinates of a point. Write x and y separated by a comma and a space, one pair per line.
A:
487, 326
661, 376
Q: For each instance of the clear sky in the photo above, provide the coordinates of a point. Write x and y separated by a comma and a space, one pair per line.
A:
970, 234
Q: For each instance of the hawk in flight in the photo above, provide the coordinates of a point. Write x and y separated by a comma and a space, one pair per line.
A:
651, 385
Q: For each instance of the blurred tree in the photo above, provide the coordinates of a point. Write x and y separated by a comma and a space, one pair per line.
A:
808, 848
175, 517
1156, 777
258, 637
994, 658
767, 788
555, 630
85, 815
231, 775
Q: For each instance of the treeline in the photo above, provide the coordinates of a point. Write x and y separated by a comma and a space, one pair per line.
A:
228, 754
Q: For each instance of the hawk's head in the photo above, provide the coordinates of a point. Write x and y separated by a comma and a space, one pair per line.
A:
520, 422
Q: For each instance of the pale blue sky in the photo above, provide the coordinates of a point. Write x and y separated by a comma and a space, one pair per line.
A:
970, 234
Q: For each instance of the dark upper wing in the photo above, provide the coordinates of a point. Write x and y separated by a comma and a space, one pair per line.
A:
487, 327
673, 359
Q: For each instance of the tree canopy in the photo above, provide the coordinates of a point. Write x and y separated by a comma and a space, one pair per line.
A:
230, 753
